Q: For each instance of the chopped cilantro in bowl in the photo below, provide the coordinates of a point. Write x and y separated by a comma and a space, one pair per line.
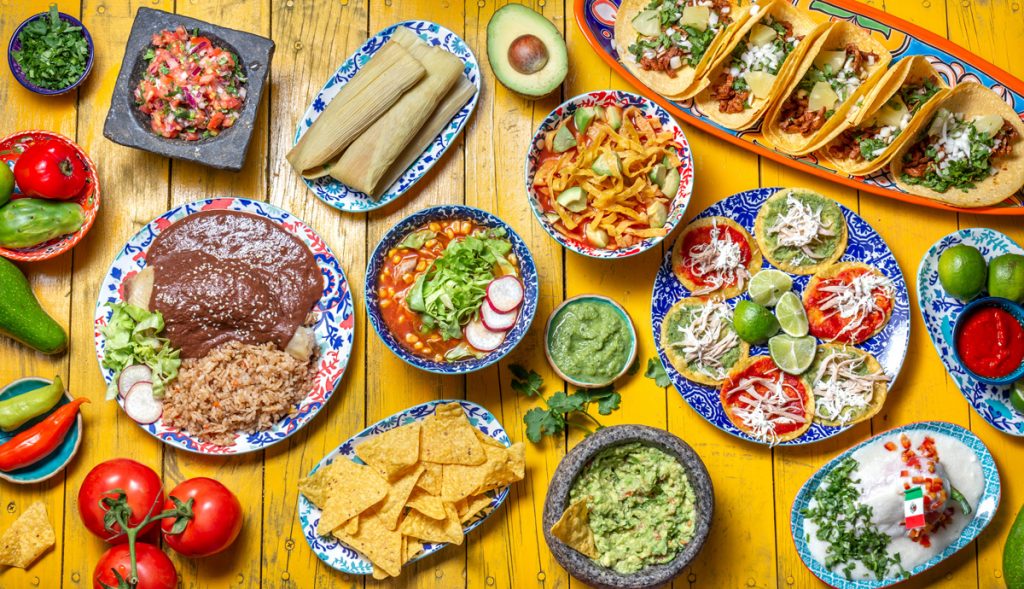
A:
51, 52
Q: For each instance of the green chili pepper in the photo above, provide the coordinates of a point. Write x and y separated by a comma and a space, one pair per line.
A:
14, 412
959, 498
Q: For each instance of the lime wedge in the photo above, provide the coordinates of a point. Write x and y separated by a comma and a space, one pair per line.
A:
768, 285
791, 315
1017, 396
793, 354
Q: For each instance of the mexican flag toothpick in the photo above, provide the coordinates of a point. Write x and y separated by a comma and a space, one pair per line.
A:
913, 508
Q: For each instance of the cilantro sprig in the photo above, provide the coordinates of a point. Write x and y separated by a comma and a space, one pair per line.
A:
53, 52
562, 409
656, 372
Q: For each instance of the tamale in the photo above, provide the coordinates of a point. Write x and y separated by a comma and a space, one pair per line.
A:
375, 88
453, 102
365, 162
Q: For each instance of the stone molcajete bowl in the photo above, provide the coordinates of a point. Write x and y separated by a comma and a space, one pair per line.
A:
572, 465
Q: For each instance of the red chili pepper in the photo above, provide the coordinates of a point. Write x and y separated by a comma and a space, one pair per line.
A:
35, 443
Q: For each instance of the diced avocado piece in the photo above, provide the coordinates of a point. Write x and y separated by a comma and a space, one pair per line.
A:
657, 173
526, 51
657, 213
599, 113
822, 96
761, 34
564, 140
648, 23
988, 124
607, 164
597, 237
573, 198
552, 217
697, 17
614, 115
760, 83
670, 186
833, 59
582, 118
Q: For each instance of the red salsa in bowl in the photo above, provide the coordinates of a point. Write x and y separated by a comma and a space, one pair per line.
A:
989, 340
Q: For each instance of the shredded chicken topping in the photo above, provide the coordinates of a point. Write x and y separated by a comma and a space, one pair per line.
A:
717, 263
762, 411
801, 227
841, 384
707, 338
855, 300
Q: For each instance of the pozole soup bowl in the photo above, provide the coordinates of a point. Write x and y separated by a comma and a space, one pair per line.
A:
973, 307
379, 258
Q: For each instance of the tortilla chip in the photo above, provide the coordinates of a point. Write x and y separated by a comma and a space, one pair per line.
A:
427, 529
398, 495
431, 479
319, 486
426, 503
393, 452
486, 439
357, 488
412, 548
351, 527
448, 438
383, 547
28, 537
502, 466
472, 506
459, 482
573, 528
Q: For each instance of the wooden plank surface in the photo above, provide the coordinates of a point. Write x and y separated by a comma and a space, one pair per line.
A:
750, 544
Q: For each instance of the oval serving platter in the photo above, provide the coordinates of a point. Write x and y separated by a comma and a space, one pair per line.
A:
940, 311
985, 511
333, 330
865, 245
347, 199
58, 459
339, 556
596, 18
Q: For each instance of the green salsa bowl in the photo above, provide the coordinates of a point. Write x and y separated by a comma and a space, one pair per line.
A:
590, 341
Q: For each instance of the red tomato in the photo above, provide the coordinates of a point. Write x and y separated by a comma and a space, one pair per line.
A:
216, 518
50, 169
155, 569
142, 486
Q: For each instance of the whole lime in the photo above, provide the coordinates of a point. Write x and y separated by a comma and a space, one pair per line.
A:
754, 323
962, 271
6, 183
1006, 277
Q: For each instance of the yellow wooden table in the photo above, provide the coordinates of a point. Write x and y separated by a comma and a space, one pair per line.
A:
750, 543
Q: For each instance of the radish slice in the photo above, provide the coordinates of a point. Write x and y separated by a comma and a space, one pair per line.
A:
131, 375
482, 338
496, 321
505, 294
140, 404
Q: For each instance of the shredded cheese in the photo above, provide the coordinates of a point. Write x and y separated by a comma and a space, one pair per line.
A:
765, 405
800, 227
842, 388
717, 263
707, 338
854, 300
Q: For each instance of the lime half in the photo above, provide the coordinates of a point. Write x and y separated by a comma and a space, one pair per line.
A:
768, 285
1017, 396
793, 354
754, 323
791, 315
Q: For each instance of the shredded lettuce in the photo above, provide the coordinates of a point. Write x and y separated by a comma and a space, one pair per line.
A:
133, 337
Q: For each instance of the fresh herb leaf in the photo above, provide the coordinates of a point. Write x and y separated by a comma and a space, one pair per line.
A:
634, 367
656, 372
526, 382
563, 403
870, 146
53, 52
561, 407
540, 422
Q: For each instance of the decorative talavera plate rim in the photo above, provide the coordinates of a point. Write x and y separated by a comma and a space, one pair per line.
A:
680, 201
347, 199
339, 556
988, 504
865, 245
57, 460
334, 327
939, 312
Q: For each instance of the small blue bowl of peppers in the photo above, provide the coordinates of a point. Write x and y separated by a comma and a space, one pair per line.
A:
48, 428
60, 34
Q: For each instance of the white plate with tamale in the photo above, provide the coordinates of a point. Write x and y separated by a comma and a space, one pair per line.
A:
388, 114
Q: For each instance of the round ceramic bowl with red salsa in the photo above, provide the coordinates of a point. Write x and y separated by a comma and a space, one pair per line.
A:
451, 289
988, 340
609, 174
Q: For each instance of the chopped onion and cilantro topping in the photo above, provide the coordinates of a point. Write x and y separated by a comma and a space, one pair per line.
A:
676, 37
955, 153
53, 53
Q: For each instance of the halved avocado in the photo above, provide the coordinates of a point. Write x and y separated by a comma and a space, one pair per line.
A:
526, 52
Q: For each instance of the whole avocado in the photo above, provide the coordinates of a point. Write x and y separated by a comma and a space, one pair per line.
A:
1013, 554
22, 318
30, 221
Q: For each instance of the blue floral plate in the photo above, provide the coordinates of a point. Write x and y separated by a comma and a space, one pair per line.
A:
333, 329
865, 245
347, 199
55, 461
940, 311
341, 557
527, 275
986, 508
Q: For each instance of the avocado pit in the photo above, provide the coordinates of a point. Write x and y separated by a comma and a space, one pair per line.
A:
527, 54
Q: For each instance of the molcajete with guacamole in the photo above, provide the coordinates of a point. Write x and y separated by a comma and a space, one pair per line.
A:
590, 340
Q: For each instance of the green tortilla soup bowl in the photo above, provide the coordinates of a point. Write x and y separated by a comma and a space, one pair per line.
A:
559, 326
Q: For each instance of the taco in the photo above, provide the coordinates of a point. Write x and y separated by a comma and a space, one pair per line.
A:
969, 151
669, 48
900, 102
849, 385
700, 341
835, 75
800, 231
744, 82
714, 257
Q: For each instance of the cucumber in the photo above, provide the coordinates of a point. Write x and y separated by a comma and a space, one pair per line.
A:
1013, 554
21, 316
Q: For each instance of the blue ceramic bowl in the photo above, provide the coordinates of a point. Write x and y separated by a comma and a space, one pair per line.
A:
553, 320
55, 461
19, 75
527, 274
1007, 305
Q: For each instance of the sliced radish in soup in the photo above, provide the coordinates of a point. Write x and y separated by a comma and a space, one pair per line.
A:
505, 294
140, 404
131, 375
496, 321
482, 338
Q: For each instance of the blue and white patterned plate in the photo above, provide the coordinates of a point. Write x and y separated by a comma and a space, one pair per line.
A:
341, 557
527, 275
865, 245
986, 509
940, 311
610, 98
348, 199
333, 330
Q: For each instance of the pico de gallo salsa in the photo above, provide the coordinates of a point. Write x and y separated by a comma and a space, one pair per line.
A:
191, 89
